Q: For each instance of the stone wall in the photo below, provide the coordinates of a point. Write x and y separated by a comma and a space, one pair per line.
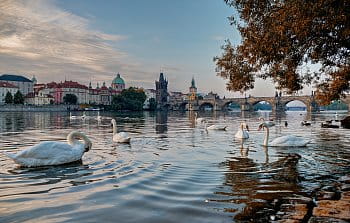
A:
33, 108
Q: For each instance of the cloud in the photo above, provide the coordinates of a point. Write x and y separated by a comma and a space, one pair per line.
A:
39, 38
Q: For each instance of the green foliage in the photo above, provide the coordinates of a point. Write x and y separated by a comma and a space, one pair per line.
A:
8, 98
70, 99
18, 98
130, 99
152, 104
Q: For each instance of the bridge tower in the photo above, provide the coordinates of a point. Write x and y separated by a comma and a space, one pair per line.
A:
162, 93
192, 97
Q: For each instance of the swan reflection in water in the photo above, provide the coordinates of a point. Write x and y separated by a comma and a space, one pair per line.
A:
73, 173
253, 185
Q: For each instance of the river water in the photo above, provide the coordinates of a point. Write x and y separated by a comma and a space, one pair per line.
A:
173, 170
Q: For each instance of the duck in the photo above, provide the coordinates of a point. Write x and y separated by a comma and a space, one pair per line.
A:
199, 120
121, 137
242, 132
268, 123
283, 141
52, 152
214, 127
285, 124
328, 124
305, 123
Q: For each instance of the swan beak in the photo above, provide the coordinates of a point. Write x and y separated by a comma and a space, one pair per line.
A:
260, 127
88, 147
247, 128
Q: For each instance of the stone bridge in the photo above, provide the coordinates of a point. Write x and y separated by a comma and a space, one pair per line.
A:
278, 103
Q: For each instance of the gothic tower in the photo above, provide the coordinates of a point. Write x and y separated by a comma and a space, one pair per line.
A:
162, 92
193, 91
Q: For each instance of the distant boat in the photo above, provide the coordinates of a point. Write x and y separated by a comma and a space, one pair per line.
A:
92, 109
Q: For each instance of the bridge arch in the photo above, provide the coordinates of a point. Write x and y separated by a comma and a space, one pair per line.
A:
231, 105
182, 106
262, 105
205, 105
299, 104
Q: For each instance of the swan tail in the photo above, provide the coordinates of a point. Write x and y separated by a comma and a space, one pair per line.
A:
10, 155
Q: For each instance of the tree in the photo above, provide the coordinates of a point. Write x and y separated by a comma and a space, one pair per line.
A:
18, 98
130, 99
8, 98
70, 99
280, 38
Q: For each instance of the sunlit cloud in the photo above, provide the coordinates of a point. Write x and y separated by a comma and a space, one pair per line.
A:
39, 38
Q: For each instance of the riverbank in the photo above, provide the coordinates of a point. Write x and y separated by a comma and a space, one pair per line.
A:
330, 203
32, 108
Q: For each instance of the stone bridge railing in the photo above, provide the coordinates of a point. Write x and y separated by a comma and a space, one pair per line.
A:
278, 103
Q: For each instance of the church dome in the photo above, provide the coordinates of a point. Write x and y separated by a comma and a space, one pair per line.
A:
118, 80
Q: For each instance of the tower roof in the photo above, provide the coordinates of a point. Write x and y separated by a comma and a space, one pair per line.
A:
193, 84
11, 77
118, 80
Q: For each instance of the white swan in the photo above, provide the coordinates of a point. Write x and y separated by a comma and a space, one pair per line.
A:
199, 120
283, 141
72, 116
99, 117
214, 127
84, 116
242, 132
268, 123
122, 137
52, 152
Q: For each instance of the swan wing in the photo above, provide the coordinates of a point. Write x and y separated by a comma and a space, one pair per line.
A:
121, 137
49, 153
242, 134
289, 140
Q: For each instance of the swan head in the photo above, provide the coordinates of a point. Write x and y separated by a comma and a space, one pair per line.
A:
262, 126
261, 119
88, 145
246, 126
74, 136
113, 122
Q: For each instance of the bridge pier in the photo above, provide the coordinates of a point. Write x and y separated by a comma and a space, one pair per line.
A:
246, 107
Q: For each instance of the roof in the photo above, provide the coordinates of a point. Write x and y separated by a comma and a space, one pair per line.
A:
66, 84
11, 77
7, 85
118, 80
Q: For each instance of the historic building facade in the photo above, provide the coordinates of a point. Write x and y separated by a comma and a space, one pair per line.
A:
24, 85
162, 92
6, 87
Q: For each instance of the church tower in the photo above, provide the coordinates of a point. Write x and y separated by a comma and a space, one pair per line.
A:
162, 92
193, 91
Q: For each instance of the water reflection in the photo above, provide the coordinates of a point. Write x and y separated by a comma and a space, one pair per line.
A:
173, 171
161, 122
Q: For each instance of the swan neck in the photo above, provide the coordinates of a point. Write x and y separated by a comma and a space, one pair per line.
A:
72, 138
114, 124
266, 140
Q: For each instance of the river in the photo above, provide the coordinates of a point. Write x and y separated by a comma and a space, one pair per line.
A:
172, 171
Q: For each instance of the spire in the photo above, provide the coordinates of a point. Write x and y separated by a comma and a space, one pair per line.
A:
118, 75
90, 86
161, 77
104, 84
98, 86
193, 84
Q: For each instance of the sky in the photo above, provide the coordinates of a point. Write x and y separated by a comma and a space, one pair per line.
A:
91, 40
